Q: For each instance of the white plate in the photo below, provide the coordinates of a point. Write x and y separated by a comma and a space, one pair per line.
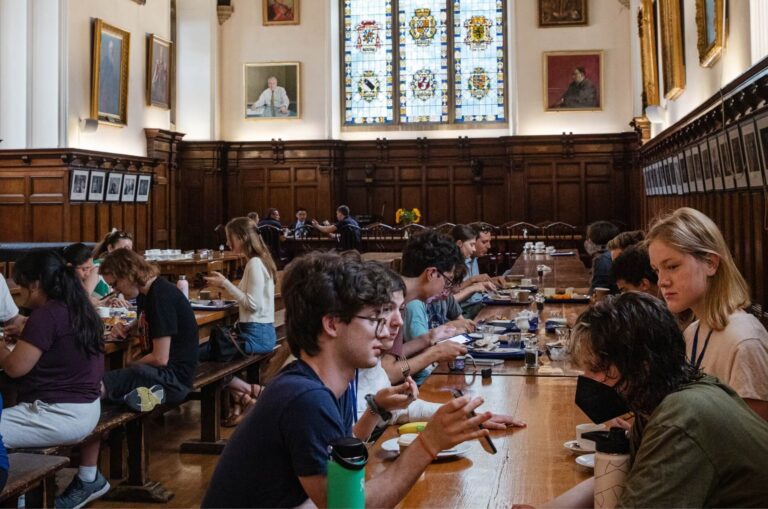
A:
586, 461
391, 446
575, 448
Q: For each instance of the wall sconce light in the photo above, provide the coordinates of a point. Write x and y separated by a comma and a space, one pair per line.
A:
88, 125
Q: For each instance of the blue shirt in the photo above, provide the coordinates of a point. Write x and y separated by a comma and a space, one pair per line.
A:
416, 324
601, 272
285, 437
472, 270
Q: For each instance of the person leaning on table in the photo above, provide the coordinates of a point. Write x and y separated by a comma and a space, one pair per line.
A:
694, 442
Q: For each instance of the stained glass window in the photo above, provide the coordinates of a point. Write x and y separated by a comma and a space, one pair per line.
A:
411, 62
478, 31
423, 54
368, 62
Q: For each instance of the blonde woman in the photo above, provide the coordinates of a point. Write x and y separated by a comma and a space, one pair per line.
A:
255, 296
696, 272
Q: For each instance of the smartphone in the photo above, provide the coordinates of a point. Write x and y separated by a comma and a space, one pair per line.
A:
489, 446
461, 339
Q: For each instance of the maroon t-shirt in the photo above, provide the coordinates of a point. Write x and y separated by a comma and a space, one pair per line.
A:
64, 373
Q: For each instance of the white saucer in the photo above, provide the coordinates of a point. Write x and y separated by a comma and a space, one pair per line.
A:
575, 448
391, 446
586, 461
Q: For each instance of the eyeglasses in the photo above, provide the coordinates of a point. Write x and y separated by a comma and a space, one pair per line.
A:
378, 320
449, 282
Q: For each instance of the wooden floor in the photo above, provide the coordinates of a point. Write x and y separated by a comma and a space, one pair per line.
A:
186, 475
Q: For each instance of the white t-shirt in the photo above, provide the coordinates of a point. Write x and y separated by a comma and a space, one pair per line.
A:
255, 295
8, 308
372, 380
737, 355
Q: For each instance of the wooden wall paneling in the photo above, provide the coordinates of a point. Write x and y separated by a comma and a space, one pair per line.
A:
163, 146
200, 200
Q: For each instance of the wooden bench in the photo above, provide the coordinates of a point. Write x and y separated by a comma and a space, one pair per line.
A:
34, 476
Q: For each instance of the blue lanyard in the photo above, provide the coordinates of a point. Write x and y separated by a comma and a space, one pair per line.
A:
353, 386
696, 361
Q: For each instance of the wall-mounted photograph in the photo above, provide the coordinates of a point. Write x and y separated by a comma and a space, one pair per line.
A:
762, 130
739, 162
280, 12
272, 90
159, 71
142, 191
754, 169
711, 28
96, 187
706, 166
78, 189
109, 73
680, 161
729, 182
573, 80
559, 13
717, 172
129, 188
114, 186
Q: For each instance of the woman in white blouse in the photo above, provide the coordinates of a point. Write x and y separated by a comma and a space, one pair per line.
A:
255, 296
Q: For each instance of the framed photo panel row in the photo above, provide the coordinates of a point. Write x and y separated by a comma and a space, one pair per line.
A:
113, 186
736, 158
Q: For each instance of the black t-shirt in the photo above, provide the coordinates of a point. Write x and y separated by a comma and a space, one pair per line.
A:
168, 313
268, 221
346, 222
285, 437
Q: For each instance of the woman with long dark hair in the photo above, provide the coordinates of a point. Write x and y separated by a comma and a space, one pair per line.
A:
694, 442
116, 239
58, 359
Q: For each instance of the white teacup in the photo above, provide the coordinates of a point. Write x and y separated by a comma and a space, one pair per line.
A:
584, 444
540, 244
526, 282
551, 249
528, 245
522, 323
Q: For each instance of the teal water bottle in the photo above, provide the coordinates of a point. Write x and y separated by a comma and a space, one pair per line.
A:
346, 473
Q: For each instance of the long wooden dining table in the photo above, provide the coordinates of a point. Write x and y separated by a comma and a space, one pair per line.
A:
532, 465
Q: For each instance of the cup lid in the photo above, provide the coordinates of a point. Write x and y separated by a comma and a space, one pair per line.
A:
349, 452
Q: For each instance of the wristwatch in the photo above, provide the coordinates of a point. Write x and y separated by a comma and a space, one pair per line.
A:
375, 410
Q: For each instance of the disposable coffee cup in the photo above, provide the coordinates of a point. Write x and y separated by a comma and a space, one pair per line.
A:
585, 444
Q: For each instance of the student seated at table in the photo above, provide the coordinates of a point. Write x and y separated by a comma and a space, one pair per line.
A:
255, 296
429, 263
165, 374
400, 404
277, 457
624, 240
116, 239
343, 220
10, 319
632, 271
469, 293
271, 218
80, 258
696, 271
599, 234
694, 442
58, 360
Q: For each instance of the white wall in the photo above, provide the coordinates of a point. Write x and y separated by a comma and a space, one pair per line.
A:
197, 70
139, 20
701, 82
245, 40
13, 73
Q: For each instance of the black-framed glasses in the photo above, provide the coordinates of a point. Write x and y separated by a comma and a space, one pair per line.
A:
378, 320
449, 282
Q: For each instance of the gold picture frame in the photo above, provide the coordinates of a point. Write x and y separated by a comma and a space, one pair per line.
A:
711, 30
280, 12
562, 91
159, 71
646, 20
109, 76
563, 13
672, 55
262, 101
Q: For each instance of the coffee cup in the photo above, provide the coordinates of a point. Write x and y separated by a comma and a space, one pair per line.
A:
523, 295
551, 249
522, 323
601, 293
584, 444
205, 295
526, 282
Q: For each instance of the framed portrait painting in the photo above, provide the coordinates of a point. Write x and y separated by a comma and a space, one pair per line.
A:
78, 189
109, 74
711, 30
143, 187
159, 71
114, 186
129, 188
672, 49
648, 53
560, 13
280, 12
573, 80
272, 91
96, 186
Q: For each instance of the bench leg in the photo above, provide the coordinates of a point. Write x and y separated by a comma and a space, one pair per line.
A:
138, 488
42, 495
210, 425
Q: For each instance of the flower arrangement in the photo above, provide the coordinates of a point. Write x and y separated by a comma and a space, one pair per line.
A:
408, 216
